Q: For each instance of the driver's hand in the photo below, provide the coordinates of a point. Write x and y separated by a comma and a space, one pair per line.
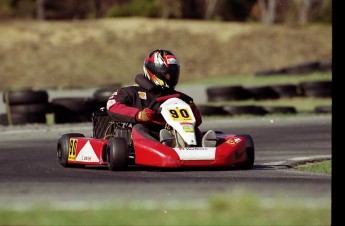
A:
145, 115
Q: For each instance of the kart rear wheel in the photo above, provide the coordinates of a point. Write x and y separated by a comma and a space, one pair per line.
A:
250, 153
63, 148
117, 153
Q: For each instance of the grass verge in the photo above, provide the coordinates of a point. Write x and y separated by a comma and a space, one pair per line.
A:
238, 208
316, 167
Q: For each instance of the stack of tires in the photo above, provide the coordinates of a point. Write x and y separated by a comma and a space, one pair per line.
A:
239, 93
316, 88
303, 89
102, 94
319, 89
25, 106
73, 109
80, 109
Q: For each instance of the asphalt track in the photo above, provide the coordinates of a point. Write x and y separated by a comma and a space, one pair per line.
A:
31, 176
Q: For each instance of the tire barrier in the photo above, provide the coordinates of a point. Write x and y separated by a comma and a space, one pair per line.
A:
206, 110
35, 108
287, 90
281, 110
20, 119
32, 106
226, 93
25, 96
103, 93
303, 89
74, 109
245, 110
262, 93
316, 88
323, 109
303, 68
25, 106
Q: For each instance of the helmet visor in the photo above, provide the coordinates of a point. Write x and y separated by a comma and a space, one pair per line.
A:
170, 74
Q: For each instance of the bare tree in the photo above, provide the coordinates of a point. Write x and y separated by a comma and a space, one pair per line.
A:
303, 7
268, 9
210, 6
97, 5
40, 9
171, 8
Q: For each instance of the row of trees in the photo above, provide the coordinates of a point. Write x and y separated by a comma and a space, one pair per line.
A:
266, 11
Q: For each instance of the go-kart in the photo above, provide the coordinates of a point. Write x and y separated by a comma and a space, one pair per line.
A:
118, 145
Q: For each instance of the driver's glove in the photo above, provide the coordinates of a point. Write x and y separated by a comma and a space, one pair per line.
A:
145, 115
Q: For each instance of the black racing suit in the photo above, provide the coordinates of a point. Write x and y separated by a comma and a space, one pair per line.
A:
124, 104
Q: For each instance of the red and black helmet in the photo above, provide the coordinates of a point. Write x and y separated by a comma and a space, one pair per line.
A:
162, 68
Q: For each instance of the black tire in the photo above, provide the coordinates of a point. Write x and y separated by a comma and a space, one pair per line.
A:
262, 93
31, 108
226, 93
250, 152
102, 94
244, 110
281, 110
286, 90
323, 109
211, 110
25, 96
302, 68
316, 88
117, 153
74, 104
73, 109
268, 72
63, 148
20, 119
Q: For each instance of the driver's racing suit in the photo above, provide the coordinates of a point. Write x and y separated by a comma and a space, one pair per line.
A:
126, 102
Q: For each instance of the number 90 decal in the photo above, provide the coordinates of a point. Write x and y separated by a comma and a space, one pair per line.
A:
181, 114
72, 149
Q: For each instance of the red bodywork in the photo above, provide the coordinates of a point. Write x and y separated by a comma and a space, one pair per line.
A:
232, 150
90, 151
87, 151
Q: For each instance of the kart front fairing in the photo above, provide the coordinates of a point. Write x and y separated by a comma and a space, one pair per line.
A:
231, 150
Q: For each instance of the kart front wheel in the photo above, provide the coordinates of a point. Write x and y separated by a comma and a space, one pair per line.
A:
117, 153
63, 147
250, 153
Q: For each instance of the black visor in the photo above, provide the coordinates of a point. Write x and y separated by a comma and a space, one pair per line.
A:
170, 74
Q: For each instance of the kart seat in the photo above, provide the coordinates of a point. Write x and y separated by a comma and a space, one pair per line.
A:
209, 139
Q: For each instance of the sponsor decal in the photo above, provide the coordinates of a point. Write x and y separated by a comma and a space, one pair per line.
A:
196, 153
72, 149
86, 158
237, 140
188, 127
192, 148
87, 154
234, 141
142, 95
231, 142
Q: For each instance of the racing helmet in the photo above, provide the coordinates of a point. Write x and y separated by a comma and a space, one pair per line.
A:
162, 68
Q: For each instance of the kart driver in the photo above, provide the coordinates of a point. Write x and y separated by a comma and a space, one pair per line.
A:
131, 104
